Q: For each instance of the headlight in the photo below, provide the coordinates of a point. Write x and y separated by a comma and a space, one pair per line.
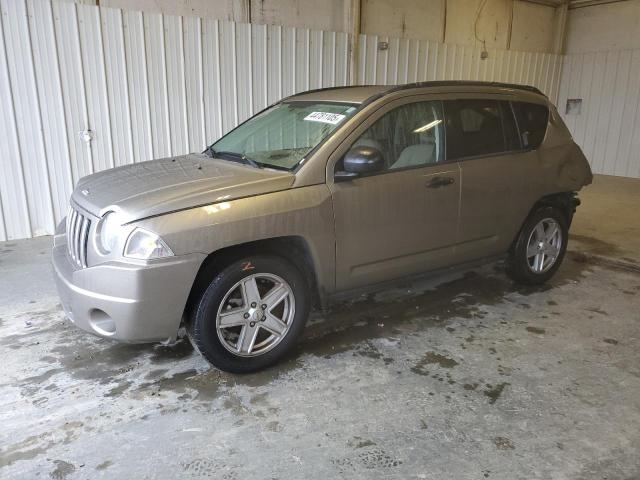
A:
108, 232
145, 245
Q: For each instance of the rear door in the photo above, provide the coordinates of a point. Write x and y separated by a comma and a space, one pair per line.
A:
402, 220
500, 178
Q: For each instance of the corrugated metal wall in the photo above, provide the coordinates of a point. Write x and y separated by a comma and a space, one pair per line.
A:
608, 124
146, 85
409, 60
151, 85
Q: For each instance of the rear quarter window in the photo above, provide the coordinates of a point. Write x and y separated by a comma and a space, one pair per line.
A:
532, 121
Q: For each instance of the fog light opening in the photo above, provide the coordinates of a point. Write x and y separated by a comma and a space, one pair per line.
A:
101, 322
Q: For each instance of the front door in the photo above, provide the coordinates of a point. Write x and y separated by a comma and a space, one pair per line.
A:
402, 220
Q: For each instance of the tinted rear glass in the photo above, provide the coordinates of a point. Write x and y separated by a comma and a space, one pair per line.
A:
532, 120
474, 127
511, 138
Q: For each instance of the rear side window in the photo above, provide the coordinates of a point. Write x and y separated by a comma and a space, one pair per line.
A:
479, 127
532, 120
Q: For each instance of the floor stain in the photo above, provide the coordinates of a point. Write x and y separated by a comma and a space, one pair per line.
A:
359, 442
494, 393
596, 310
431, 358
104, 465
204, 384
371, 459
118, 390
611, 341
538, 330
63, 470
206, 468
596, 246
503, 443
17, 452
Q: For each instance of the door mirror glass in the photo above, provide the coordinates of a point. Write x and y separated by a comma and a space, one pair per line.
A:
362, 160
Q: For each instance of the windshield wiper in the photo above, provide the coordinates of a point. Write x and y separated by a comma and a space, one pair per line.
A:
233, 156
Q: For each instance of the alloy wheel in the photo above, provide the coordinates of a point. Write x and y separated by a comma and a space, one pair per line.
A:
255, 314
543, 247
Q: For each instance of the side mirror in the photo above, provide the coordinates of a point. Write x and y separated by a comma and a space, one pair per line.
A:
361, 160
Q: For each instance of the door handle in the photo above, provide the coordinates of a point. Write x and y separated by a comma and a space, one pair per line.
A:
437, 182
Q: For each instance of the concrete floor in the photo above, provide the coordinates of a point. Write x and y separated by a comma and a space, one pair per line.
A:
469, 379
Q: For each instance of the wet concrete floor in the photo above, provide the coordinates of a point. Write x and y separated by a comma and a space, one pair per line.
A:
466, 377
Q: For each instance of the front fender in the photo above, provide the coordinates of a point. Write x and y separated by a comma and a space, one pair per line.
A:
305, 212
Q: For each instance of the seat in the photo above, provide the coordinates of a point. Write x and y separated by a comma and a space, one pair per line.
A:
415, 155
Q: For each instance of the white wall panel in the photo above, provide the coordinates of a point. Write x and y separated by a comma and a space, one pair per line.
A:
93, 66
117, 85
176, 85
411, 60
194, 82
150, 75
27, 119
15, 209
72, 87
144, 146
45, 59
607, 126
212, 73
149, 85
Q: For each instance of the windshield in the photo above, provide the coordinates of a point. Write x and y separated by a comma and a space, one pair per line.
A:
282, 135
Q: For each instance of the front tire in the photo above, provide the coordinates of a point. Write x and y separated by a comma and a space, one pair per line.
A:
251, 314
540, 247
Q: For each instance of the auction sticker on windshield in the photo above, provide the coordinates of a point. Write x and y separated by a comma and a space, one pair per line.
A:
324, 117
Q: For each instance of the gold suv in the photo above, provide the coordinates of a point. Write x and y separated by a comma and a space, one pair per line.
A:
324, 192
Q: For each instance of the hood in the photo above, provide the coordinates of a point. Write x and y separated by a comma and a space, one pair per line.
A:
161, 186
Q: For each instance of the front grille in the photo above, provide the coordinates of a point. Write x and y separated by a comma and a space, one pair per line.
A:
77, 235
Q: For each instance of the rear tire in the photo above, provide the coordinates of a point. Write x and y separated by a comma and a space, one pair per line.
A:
540, 247
251, 314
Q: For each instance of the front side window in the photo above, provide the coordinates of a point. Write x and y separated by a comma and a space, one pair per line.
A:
532, 120
282, 135
408, 136
478, 127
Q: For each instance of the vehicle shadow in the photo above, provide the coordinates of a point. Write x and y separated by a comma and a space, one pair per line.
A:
420, 304
410, 306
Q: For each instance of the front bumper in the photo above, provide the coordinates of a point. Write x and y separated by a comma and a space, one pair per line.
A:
134, 303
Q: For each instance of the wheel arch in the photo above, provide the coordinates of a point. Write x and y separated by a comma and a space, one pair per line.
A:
566, 202
293, 248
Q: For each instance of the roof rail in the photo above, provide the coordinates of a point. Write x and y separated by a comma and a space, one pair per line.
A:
431, 83
448, 83
462, 83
